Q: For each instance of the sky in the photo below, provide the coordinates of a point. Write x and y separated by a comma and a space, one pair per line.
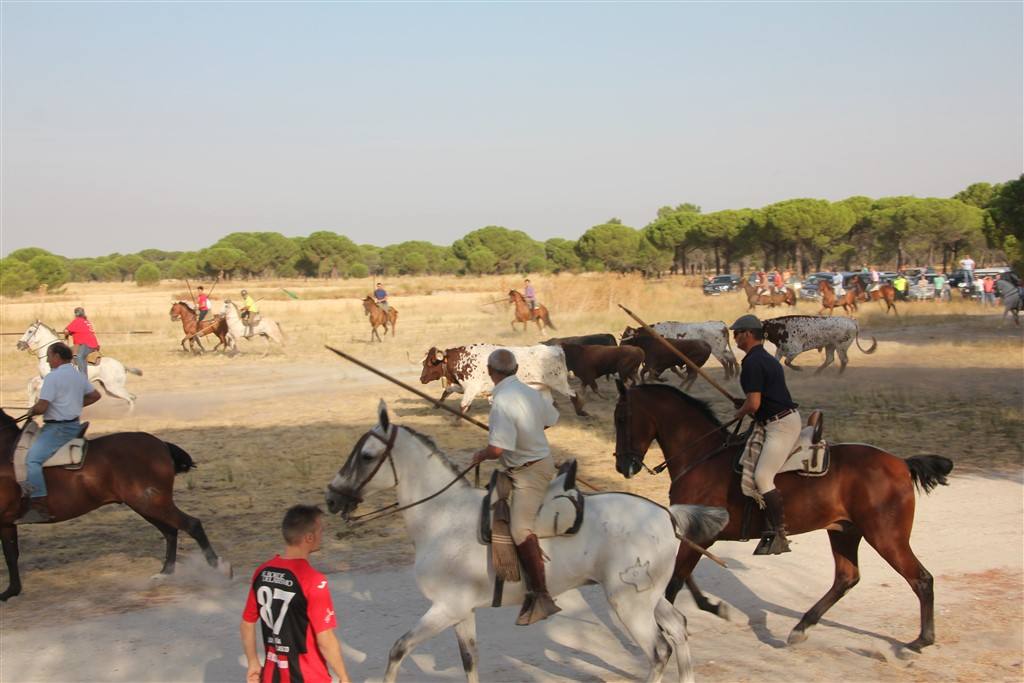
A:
169, 125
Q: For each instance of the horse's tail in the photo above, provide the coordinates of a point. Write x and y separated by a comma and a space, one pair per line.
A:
929, 471
134, 371
870, 349
182, 461
547, 319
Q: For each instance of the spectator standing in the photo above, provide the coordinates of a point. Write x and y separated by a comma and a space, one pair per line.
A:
988, 290
940, 283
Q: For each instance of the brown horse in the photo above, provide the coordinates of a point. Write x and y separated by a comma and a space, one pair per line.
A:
867, 493
378, 318
884, 292
193, 331
829, 299
524, 315
133, 468
773, 299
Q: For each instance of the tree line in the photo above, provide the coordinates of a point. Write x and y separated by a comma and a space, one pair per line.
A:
984, 219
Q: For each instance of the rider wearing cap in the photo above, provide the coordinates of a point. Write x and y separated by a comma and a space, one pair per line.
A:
83, 336
768, 400
519, 416
250, 313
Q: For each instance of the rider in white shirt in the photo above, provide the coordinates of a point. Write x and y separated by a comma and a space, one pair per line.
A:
837, 282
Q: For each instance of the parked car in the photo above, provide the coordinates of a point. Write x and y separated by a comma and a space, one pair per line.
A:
809, 288
957, 281
721, 284
919, 291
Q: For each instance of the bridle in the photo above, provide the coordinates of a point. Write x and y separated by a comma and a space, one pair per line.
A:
34, 327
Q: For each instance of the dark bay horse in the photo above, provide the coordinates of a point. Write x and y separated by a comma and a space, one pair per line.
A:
884, 292
378, 318
193, 330
829, 299
867, 493
777, 298
133, 468
524, 315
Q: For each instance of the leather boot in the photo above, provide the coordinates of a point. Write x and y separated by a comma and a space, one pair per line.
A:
538, 603
774, 541
38, 512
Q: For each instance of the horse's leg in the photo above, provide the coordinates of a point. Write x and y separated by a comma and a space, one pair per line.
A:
465, 633
430, 624
637, 615
577, 404
9, 540
719, 609
183, 340
892, 541
686, 560
163, 510
171, 537
844, 552
119, 392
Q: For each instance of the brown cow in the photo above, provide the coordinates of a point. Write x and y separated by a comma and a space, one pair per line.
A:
658, 359
590, 362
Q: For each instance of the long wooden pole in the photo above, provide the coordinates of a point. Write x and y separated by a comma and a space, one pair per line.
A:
693, 366
480, 424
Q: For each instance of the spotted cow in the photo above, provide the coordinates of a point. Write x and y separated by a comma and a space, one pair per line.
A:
464, 368
794, 334
714, 332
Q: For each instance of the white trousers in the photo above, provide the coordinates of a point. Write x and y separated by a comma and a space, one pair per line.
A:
779, 439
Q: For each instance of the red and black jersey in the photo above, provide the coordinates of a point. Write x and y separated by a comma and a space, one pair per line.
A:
292, 602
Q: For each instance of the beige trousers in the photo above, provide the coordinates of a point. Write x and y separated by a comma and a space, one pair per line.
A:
531, 483
779, 439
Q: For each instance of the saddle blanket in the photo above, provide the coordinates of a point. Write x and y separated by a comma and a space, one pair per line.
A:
806, 459
94, 358
561, 513
69, 455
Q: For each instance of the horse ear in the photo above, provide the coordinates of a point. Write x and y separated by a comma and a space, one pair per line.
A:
621, 387
382, 416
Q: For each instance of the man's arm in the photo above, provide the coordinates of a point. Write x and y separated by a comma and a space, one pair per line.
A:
750, 405
331, 650
248, 632
40, 407
90, 398
488, 453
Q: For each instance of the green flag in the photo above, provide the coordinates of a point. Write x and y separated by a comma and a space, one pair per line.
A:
293, 295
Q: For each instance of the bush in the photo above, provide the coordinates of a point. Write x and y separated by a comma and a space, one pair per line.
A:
358, 270
16, 277
50, 270
481, 260
147, 275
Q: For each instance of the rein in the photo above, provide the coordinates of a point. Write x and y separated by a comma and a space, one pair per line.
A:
658, 469
724, 446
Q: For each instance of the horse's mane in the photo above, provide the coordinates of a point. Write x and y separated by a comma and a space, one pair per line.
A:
435, 450
700, 405
186, 305
52, 331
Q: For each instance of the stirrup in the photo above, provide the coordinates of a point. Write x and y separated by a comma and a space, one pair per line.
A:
536, 607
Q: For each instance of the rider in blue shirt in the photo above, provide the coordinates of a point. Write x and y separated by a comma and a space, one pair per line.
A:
381, 297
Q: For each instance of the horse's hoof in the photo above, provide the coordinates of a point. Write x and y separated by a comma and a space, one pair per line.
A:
796, 637
722, 611
918, 644
9, 593
157, 578
225, 568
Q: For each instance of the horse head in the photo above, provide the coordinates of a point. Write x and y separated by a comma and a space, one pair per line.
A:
514, 296
633, 432
362, 474
30, 334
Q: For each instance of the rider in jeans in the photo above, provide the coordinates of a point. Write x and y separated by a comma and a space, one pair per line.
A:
84, 337
65, 392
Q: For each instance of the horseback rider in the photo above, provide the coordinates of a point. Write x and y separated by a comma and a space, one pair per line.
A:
768, 400
530, 294
381, 297
837, 282
250, 314
63, 395
519, 416
83, 336
203, 302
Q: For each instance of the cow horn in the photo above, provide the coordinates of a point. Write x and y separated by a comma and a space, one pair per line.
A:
439, 355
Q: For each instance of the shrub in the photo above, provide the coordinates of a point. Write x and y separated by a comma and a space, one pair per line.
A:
147, 275
16, 277
358, 270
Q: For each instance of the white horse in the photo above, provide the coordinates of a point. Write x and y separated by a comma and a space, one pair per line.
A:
266, 328
627, 544
108, 373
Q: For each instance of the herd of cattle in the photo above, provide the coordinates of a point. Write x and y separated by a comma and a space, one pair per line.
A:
640, 356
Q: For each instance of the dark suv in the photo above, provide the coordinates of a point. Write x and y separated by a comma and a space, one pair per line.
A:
721, 284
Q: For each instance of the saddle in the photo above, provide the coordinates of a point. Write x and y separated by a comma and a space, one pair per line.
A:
810, 456
94, 358
70, 456
561, 513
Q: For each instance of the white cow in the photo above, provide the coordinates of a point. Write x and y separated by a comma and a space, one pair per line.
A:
714, 332
465, 368
794, 334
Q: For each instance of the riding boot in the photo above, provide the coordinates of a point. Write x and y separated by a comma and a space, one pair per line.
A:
538, 603
774, 541
38, 512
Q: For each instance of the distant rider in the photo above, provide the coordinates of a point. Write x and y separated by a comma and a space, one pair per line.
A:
84, 337
203, 301
519, 416
530, 294
837, 282
63, 395
768, 400
250, 314
381, 297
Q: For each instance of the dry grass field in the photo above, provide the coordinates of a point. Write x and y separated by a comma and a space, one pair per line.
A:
270, 430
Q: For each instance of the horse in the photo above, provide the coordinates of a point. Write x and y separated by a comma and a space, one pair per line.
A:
621, 534
266, 328
867, 493
133, 468
109, 373
189, 322
379, 318
1010, 295
829, 299
524, 315
773, 299
884, 292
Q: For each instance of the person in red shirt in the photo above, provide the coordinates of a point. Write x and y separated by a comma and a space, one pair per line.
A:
292, 602
84, 337
203, 303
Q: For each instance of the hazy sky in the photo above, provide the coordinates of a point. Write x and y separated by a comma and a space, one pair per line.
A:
128, 126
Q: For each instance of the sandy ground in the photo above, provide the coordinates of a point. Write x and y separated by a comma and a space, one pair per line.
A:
270, 431
960, 534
